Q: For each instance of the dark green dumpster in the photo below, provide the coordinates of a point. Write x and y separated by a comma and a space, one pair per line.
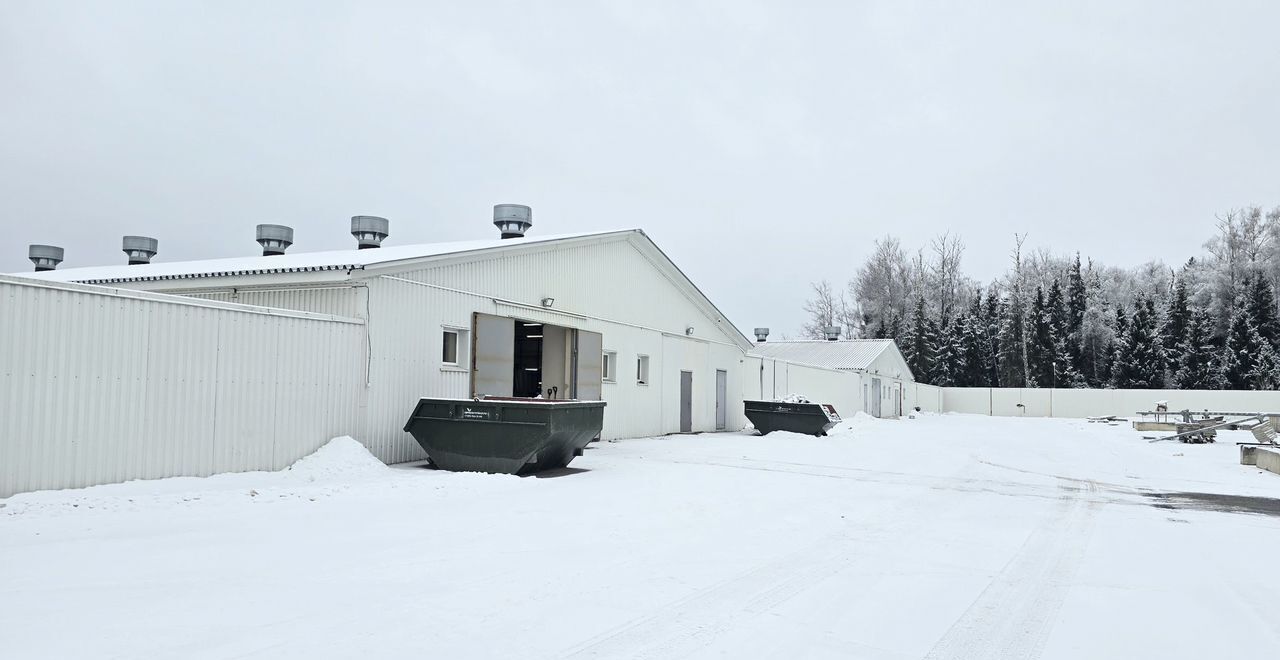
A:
807, 418
504, 435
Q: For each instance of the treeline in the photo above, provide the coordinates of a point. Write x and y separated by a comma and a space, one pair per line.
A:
1058, 321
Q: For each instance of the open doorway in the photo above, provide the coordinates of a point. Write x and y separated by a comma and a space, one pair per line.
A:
526, 377
522, 358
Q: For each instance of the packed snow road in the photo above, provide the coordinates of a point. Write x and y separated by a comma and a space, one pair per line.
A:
940, 537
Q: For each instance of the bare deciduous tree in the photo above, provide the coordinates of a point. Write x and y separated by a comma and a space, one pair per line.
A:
827, 308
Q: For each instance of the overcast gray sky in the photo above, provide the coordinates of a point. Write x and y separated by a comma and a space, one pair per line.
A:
762, 145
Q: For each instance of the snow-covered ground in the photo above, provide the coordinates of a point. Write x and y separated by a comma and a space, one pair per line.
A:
939, 537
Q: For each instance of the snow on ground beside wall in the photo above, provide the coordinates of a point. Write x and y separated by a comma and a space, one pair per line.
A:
945, 536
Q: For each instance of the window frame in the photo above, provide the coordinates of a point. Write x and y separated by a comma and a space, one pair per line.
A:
462, 348
642, 369
609, 366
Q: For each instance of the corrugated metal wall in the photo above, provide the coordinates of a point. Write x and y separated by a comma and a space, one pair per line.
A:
770, 378
100, 385
407, 320
605, 287
338, 301
610, 287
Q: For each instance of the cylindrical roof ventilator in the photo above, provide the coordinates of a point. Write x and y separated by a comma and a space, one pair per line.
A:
140, 249
274, 239
369, 230
45, 257
513, 220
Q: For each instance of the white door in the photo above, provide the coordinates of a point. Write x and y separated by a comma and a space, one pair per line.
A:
493, 355
686, 402
589, 365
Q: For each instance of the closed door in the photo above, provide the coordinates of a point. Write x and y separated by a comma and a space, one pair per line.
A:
722, 396
876, 397
686, 401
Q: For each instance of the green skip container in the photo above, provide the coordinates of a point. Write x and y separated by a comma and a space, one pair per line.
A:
504, 435
807, 418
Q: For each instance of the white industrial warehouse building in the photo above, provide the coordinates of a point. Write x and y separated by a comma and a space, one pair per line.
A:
258, 360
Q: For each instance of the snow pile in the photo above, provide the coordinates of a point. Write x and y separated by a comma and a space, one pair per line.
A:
793, 398
332, 468
340, 457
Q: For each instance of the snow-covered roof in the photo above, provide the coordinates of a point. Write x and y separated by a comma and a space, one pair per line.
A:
851, 354
286, 263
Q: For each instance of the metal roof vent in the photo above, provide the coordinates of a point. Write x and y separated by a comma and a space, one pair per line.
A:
369, 230
832, 332
762, 334
140, 249
513, 220
45, 257
274, 239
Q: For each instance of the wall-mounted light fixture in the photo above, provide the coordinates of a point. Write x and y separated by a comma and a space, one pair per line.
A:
689, 331
547, 302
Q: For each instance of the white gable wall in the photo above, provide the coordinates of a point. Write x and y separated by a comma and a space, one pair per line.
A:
608, 288
890, 364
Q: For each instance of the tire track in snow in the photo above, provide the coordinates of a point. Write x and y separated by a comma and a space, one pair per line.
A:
697, 619
912, 480
1016, 612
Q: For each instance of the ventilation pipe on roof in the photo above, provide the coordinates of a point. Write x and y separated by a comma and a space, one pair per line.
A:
140, 249
832, 332
513, 220
274, 239
762, 334
369, 230
45, 257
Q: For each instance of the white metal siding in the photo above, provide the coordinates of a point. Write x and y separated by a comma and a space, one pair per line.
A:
768, 378
406, 325
99, 385
338, 301
607, 280
609, 287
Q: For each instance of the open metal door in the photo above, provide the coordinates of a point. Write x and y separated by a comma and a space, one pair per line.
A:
588, 366
493, 355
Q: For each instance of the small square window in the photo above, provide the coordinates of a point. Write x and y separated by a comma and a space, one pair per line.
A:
642, 369
450, 353
609, 367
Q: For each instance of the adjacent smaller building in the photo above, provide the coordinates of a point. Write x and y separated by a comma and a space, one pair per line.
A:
887, 385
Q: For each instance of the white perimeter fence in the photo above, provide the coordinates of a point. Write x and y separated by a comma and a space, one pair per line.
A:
101, 385
1079, 403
